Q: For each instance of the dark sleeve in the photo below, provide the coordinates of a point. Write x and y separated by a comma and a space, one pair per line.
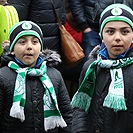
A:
65, 106
1, 100
78, 11
22, 7
79, 122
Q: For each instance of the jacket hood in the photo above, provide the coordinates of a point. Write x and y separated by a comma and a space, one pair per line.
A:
93, 54
52, 57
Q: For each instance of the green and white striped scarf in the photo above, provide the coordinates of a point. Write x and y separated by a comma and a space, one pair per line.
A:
52, 114
115, 97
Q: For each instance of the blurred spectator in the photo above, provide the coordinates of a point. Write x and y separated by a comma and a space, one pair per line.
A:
42, 13
87, 14
71, 24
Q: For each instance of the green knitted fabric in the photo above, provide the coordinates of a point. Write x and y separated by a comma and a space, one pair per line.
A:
115, 97
52, 114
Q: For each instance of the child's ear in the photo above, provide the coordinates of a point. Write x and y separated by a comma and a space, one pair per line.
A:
40, 52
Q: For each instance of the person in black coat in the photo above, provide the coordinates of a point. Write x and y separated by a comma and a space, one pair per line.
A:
33, 96
42, 13
104, 100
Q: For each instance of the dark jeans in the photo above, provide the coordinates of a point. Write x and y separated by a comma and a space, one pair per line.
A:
89, 41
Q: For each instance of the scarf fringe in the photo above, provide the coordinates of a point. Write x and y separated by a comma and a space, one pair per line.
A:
81, 100
17, 111
54, 121
115, 102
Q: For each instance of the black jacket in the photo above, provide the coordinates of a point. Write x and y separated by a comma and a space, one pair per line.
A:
100, 119
34, 122
87, 12
42, 13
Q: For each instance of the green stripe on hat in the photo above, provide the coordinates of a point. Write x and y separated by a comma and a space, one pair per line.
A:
116, 12
24, 33
25, 28
116, 18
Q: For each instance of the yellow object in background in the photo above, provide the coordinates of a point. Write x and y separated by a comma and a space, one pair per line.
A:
8, 17
14, 13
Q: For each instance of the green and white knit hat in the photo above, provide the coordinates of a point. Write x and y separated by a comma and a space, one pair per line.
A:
116, 12
24, 28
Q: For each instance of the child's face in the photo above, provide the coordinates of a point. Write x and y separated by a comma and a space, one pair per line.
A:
27, 49
117, 37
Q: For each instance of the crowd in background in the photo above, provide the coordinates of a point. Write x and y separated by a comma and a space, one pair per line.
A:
83, 20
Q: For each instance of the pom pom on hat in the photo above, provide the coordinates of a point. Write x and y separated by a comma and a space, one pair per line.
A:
24, 28
116, 12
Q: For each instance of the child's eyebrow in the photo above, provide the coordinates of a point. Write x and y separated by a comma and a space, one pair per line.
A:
109, 28
126, 27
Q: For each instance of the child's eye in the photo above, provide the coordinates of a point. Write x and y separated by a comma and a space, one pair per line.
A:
124, 32
35, 41
110, 32
21, 41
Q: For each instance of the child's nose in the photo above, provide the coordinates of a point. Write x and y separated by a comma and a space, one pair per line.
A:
29, 45
118, 35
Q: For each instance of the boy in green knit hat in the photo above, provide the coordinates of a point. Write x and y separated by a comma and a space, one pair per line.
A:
33, 96
104, 102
